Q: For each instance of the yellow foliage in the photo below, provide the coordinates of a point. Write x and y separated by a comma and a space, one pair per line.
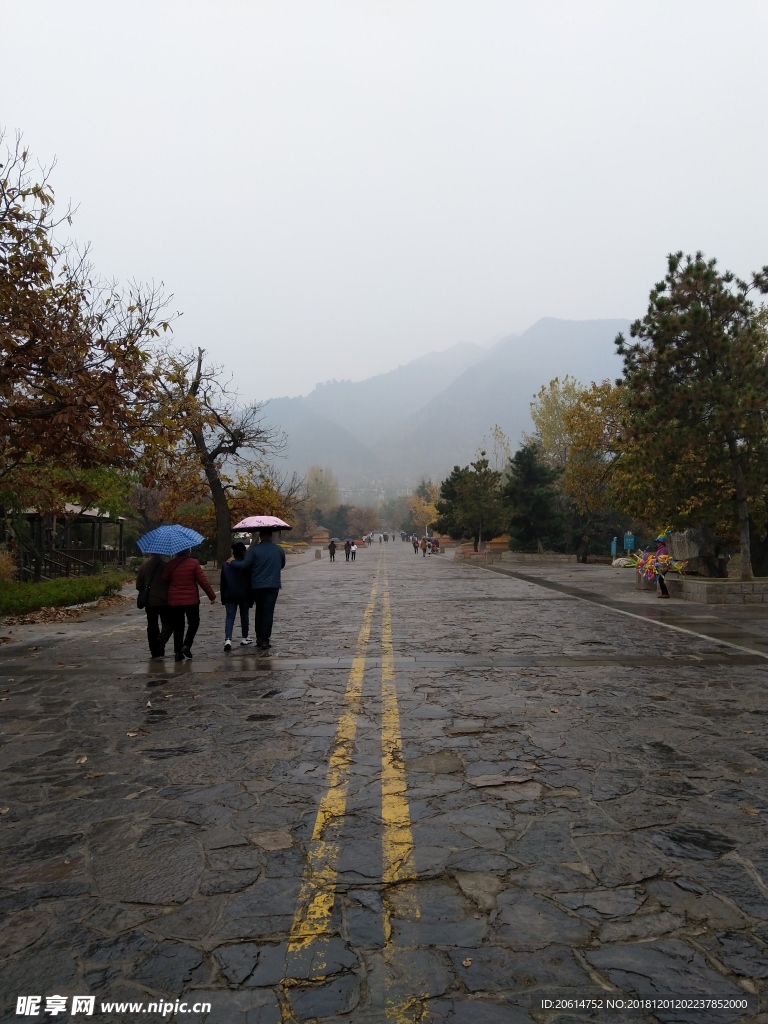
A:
8, 566
423, 512
549, 410
592, 424
257, 494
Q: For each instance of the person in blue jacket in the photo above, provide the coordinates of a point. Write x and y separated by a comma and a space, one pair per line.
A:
264, 561
235, 596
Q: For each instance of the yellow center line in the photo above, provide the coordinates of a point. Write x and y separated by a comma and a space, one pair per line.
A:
401, 1006
395, 810
317, 894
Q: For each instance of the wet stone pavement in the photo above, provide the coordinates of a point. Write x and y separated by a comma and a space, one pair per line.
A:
446, 796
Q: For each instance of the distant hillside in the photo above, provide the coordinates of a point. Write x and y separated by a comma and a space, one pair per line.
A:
368, 408
432, 413
499, 389
315, 440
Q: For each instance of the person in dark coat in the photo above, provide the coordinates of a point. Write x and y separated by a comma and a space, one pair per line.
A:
158, 612
264, 561
184, 575
235, 595
347, 549
332, 549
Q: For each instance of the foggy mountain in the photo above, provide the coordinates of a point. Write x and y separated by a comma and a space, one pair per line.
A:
434, 412
369, 408
499, 389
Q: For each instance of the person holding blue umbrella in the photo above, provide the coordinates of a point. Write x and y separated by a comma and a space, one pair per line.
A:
182, 576
153, 598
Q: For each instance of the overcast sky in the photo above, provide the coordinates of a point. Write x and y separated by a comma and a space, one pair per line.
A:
332, 187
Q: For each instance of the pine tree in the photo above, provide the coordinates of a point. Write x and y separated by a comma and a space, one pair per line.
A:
699, 370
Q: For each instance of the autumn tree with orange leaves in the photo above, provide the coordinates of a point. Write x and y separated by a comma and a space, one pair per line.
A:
75, 379
218, 438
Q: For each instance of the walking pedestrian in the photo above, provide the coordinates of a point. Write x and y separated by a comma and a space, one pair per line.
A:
235, 594
155, 595
380, 538
423, 546
265, 561
415, 543
353, 551
347, 549
183, 575
332, 549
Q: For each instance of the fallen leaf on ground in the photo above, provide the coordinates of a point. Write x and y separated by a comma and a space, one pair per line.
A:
750, 810
149, 703
467, 962
555, 711
5, 698
533, 768
272, 840
4, 810
131, 734
751, 771
94, 775
81, 760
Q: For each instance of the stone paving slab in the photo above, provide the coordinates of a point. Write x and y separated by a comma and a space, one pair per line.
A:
516, 798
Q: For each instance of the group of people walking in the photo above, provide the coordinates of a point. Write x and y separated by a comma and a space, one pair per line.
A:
427, 545
250, 578
350, 550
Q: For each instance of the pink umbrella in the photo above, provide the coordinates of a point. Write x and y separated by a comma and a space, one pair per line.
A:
261, 523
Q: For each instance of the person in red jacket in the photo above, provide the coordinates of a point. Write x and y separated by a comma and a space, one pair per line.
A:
183, 574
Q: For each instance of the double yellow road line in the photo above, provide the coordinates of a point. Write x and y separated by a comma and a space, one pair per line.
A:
310, 932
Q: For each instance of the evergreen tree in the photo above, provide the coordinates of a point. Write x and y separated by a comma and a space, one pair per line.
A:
470, 503
698, 371
536, 506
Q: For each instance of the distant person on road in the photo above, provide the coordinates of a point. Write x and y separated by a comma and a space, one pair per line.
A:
332, 549
415, 543
423, 546
235, 595
386, 538
353, 551
158, 613
265, 561
347, 549
183, 575
380, 538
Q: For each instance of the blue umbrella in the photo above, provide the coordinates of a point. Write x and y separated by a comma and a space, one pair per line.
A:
168, 540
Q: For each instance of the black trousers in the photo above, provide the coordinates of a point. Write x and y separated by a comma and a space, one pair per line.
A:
189, 613
157, 616
265, 599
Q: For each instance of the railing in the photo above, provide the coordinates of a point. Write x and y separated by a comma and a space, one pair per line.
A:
57, 564
105, 556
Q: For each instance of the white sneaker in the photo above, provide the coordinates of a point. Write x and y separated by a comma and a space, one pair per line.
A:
227, 644
245, 641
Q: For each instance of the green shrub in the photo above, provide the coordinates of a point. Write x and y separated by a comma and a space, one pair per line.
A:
20, 598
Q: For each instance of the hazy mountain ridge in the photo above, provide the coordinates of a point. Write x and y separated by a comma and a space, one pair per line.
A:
434, 412
369, 408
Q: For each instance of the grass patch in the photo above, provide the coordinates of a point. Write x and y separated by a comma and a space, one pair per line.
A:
20, 598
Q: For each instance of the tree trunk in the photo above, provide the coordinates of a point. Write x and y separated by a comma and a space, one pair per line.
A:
223, 515
737, 472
